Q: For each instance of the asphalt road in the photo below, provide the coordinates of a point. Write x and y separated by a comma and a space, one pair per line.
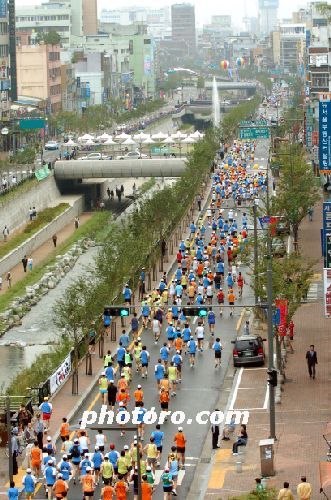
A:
199, 390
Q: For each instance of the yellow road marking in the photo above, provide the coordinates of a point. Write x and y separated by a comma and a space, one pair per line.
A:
217, 476
240, 320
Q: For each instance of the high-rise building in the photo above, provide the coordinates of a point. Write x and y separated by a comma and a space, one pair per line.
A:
183, 26
4, 67
90, 17
268, 15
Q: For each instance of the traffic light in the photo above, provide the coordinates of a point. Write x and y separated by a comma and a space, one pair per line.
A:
272, 380
200, 311
123, 312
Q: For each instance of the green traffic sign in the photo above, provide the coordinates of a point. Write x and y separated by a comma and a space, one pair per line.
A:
32, 123
257, 123
254, 133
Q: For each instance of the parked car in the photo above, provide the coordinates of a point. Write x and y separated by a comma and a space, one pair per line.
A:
278, 247
51, 146
93, 156
132, 155
248, 350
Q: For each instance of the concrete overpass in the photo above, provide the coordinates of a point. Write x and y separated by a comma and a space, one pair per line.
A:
233, 85
89, 169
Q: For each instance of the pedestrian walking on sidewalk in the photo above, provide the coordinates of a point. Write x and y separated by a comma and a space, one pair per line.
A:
310, 212
311, 357
304, 489
30, 263
24, 263
5, 233
54, 238
215, 432
8, 279
285, 493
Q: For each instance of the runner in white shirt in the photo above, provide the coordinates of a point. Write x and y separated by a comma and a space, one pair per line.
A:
156, 328
100, 440
200, 333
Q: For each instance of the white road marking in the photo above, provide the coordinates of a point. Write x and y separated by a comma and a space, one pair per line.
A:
266, 400
235, 392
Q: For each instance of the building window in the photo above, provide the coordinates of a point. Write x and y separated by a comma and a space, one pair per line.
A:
54, 56
147, 41
3, 28
55, 90
3, 50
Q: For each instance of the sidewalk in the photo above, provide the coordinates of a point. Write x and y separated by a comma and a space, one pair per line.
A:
304, 411
64, 403
45, 250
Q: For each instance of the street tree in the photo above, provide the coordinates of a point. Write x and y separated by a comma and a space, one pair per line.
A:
296, 190
72, 315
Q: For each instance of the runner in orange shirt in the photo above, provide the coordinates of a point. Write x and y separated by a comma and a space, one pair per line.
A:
88, 484
64, 431
231, 300
138, 395
146, 489
121, 488
180, 442
164, 401
107, 492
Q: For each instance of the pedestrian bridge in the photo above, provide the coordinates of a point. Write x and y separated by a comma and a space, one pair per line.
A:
89, 169
233, 85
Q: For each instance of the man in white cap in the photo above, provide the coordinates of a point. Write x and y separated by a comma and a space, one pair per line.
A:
88, 484
50, 478
46, 409
29, 484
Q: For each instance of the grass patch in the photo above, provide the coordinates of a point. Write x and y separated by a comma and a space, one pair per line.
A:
35, 374
21, 188
89, 229
43, 218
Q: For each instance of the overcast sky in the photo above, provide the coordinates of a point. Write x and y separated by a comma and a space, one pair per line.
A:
204, 8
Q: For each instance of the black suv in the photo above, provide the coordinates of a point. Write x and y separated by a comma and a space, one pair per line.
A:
248, 350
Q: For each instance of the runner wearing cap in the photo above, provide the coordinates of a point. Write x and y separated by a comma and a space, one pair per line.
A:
88, 484
29, 484
180, 441
167, 484
138, 395
84, 465
76, 456
46, 409
65, 468
97, 459
50, 478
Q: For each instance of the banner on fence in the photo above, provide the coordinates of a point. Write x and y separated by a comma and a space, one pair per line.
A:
60, 375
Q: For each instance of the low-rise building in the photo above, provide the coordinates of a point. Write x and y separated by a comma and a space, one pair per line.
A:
39, 73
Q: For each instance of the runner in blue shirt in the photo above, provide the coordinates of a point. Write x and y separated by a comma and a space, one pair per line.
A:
192, 349
127, 294
120, 357
97, 460
76, 457
145, 311
124, 339
159, 371
158, 436
164, 352
86, 462
211, 321
171, 334
144, 358
110, 372
12, 492
65, 468
50, 478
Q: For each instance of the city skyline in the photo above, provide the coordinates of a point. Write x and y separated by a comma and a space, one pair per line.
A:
238, 8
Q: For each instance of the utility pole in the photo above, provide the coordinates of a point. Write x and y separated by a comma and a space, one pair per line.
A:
10, 448
272, 416
256, 257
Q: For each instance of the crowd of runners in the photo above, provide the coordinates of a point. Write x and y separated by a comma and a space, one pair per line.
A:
208, 273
